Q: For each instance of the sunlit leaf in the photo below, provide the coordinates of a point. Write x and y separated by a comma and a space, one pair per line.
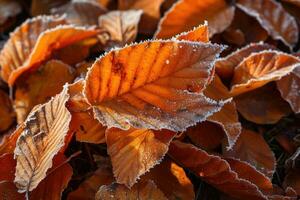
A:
42, 138
261, 68
135, 151
271, 15
145, 85
186, 14
198, 34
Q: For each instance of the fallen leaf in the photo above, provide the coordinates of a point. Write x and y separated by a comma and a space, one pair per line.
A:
252, 148
225, 66
17, 57
7, 169
289, 87
8, 142
234, 36
261, 68
7, 114
263, 105
88, 189
122, 27
143, 190
42, 138
186, 14
81, 12
227, 117
217, 172
295, 2
145, 85
77, 101
135, 151
40, 86
151, 12
198, 34
273, 18
292, 179
171, 180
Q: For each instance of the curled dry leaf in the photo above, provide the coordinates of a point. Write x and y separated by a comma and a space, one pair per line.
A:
252, 148
81, 12
261, 68
171, 180
122, 27
42, 138
9, 8
236, 181
272, 17
151, 12
88, 189
6, 111
186, 14
145, 85
143, 190
289, 88
225, 66
263, 105
39, 87
135, 151
25, 50
227, 117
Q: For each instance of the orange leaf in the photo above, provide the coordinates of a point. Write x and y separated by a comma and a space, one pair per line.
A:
252, 148
24, 50
261, 68
227, 117
171, 180
144, 190
145, 85
87, 190
198, 34
77, 101
81, 12
40, 86
151, 12
7, 114
263, 105
272, 17
225, 66
135, 151
186, 14
289, 87
218, 172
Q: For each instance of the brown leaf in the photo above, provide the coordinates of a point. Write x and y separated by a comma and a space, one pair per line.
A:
227, 117
81, 12
122, 27
143, 190
77, 101
24, 50
289, 87
135, 151
218, 172
263, 105
186, 14
171, 180
252, 148
225, 66
8, 9
261, 68
292, 179
39, 87
7, 169
42, 138
42, 7
145, 85
8, 142
295, 2
87, 190
272, 17
7, 114
151, 12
